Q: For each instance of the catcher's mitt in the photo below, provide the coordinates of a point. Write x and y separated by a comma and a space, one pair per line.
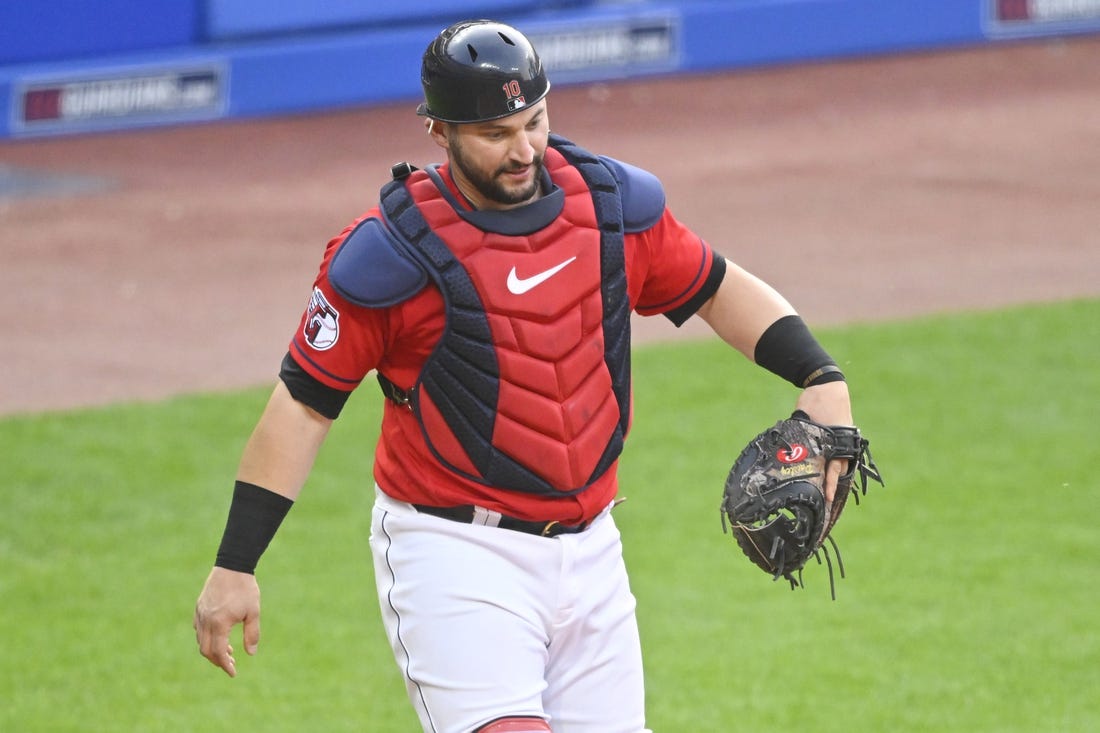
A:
775, 494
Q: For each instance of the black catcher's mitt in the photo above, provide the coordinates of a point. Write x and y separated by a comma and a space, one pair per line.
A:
775, 494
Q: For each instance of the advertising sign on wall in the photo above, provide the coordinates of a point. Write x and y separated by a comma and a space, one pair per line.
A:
1041, 17
119, 99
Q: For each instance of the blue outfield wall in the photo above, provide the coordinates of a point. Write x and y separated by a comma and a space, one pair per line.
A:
210, 61
33, 31
230, 19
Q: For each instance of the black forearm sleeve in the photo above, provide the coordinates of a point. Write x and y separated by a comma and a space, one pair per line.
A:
789, 350
254, 516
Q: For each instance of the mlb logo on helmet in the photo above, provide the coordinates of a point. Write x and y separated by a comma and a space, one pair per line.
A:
513, 94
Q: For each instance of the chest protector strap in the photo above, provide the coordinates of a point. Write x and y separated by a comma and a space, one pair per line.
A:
462, 377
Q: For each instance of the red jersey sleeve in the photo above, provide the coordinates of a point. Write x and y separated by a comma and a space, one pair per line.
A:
671, 270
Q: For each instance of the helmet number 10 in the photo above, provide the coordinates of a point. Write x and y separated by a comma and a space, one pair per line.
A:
514, 94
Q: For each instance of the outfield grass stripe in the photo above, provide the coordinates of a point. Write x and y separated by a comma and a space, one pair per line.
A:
969, 606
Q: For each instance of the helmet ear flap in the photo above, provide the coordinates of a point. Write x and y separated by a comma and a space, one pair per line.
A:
480, 70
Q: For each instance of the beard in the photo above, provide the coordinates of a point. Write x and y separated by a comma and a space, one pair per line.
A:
490, 186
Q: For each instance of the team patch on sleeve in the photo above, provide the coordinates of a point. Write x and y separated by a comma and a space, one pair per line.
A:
321, 325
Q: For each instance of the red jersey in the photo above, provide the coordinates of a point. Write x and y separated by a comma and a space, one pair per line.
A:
339, 342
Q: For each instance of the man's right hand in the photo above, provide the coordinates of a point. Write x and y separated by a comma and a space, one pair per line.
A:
228, 598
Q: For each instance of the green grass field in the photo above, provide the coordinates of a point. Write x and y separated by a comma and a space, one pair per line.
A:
971, 601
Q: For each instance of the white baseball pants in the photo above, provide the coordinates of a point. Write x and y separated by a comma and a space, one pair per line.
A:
486, 622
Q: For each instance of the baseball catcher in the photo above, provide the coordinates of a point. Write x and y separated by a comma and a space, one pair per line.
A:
775, 494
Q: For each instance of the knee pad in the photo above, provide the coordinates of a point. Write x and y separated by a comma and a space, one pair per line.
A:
516, 725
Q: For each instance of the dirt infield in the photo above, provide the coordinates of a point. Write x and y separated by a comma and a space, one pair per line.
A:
149, 263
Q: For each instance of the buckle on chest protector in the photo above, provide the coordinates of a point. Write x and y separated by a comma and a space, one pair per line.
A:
393, 393
401, 171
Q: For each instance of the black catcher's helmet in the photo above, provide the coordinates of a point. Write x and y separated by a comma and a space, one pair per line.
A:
478, 70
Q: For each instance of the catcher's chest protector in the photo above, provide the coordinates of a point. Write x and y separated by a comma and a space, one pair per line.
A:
529, 386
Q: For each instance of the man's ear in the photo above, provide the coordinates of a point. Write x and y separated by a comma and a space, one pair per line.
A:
437, 131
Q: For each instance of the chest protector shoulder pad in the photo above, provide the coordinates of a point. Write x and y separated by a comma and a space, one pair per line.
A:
528, 388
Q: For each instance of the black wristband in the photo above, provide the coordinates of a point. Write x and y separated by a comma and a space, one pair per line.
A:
254, 516
789, 350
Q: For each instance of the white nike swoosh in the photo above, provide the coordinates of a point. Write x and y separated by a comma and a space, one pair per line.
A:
519, 286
